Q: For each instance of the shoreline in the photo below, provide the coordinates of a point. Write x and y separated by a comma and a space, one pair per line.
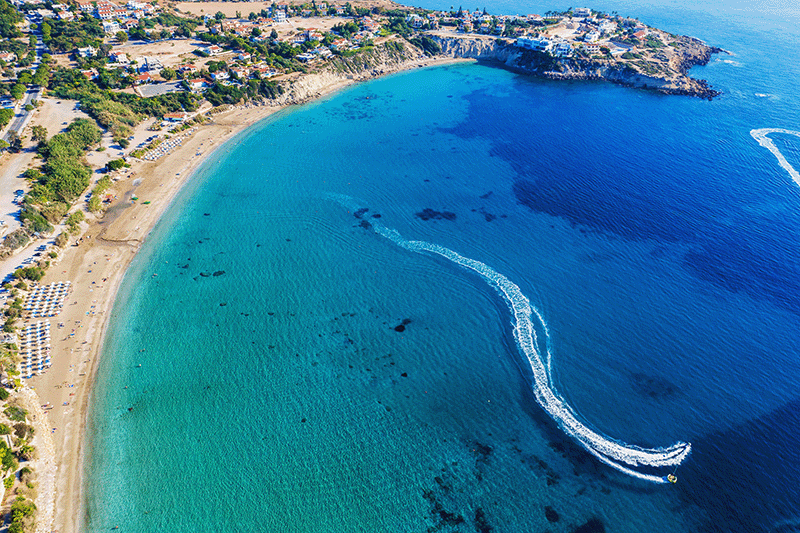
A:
96, 268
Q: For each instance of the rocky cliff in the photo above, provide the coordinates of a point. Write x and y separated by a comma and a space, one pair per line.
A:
384, 58
664, 71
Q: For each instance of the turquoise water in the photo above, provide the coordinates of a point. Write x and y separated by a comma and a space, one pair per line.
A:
655, 236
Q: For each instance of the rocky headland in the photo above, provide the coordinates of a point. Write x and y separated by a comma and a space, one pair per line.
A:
664, 70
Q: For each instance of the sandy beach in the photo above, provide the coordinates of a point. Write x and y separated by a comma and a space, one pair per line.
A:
96, 267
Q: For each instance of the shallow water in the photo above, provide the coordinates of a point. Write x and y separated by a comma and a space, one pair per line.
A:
654, 234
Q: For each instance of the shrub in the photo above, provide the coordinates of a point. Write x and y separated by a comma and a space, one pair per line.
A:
20, 510
75, 218
4, 429
22, 430
33, 273
4, 394
62, 240
27, 452
115, 164
16, 413
94, 204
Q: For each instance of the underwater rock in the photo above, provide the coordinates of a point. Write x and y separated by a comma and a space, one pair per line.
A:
654, 387
593, 525
481, 524
430, 214
402, 326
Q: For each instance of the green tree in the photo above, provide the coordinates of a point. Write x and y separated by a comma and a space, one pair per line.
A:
39, 133
5, 116
17, 91
9, 18
42, 75
121, 37
219, 15
168, 74
115, 164
14, 142
21, 509
47, 31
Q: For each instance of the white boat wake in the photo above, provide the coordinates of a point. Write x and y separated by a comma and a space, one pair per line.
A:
761, 136
621, 456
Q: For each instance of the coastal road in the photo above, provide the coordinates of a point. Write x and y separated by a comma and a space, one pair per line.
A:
33, 93
21, 119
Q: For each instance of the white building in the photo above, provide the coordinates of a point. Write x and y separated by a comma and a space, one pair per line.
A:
111, 26
119, 58
540, 44
582, 12
561, 48
592, 37
89, 51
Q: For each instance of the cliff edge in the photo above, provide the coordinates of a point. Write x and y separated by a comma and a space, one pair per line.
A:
663, 68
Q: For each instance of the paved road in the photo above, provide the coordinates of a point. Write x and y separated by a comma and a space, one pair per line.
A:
21, 118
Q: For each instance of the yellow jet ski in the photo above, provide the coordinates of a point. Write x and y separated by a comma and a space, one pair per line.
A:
672, 478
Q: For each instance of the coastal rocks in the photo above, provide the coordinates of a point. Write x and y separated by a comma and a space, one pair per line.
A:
384, 58
664, 72
472, 46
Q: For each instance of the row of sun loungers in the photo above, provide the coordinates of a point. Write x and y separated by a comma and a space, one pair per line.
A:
47, 301
167, 146
34, 349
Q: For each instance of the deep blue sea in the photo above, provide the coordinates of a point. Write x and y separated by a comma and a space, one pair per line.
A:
303, 369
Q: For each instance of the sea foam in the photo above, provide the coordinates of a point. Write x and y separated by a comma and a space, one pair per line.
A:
761, 136
619, 455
